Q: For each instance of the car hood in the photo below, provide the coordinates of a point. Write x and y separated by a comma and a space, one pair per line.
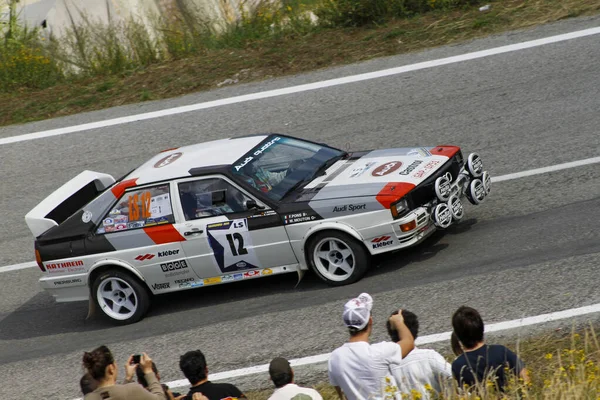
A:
384, 176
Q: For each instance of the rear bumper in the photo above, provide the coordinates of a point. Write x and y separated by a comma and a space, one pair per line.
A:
66, 288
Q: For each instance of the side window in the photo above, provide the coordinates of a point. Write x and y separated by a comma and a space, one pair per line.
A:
210, 197
139, 208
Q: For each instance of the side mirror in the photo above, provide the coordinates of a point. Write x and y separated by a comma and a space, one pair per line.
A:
250, 204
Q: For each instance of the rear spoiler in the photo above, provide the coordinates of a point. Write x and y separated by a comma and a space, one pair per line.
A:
66, 200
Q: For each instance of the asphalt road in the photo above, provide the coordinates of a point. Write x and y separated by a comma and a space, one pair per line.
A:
533, 247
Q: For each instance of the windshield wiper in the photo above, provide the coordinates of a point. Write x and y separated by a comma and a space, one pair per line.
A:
320, 171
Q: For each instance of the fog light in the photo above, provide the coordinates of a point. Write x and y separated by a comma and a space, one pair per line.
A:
456, 207
442, 188
475, 165
476, 192
409, 226
442, 216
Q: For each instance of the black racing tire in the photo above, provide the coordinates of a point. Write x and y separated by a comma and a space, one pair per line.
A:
337, 258
126, 300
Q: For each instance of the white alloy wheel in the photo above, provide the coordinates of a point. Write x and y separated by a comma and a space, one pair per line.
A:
117, 298
475, 165
334, 259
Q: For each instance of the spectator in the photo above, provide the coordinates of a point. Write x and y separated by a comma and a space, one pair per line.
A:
142, 381
358, 369
479, 360
282, 376
422, 370
101, 366
87, 384
193, 366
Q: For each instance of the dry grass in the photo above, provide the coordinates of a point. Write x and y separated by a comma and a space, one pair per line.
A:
285, 55
562, 367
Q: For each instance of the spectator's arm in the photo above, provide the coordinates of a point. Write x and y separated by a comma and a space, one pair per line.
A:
340, 393
406, 342
524, 374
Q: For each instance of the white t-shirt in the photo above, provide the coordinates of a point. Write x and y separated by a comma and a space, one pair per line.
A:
419, 368
291, 390
360, 368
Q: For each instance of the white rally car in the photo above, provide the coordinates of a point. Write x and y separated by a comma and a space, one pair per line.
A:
243, 208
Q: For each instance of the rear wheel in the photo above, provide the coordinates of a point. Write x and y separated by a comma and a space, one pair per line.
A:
338, 258
120, 296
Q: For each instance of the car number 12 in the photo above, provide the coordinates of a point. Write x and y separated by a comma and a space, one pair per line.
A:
231, 245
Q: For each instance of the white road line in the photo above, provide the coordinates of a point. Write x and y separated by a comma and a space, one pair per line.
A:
303, 88
501, 178
434, 338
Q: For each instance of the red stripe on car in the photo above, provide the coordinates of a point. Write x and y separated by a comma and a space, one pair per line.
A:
164, 234
120, 187
392, 192
447, 151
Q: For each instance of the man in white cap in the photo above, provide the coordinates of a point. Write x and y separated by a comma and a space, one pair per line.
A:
358, 369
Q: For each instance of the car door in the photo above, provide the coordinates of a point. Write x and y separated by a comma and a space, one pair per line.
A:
223, 234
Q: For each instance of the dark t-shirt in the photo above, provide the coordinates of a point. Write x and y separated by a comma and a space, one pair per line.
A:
215, 391
474, 366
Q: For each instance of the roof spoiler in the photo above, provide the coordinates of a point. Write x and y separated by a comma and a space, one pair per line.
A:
66, 200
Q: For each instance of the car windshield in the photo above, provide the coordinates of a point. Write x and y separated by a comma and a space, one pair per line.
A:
280, 165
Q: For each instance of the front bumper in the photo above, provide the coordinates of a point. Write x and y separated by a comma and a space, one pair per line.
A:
444, 207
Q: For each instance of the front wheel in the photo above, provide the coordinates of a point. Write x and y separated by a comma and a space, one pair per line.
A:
121, 297
337, 258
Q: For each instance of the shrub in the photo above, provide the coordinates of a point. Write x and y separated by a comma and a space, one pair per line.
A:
353, 13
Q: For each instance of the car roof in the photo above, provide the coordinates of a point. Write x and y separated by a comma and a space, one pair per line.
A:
177, 163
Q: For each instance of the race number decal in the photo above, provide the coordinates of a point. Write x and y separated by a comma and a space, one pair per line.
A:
231, 245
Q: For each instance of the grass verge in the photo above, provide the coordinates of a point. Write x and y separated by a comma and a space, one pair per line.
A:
561, 366
278, 55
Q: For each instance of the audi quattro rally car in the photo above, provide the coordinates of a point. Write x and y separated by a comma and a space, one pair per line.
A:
243, 208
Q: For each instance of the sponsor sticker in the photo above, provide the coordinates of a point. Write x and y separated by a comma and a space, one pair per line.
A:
212, 281
168, 253
411, 167
257, 153
386, 168
350, 207
121, 219
266, 271
86, 217
185, 280
70, 266
171, 158
227, 278
426, 168
382, 241
173, 266
68, 282
238, 277
251, 274
108, 221
197, 284
144, 257
120, 227
358, 171
136, 224
161, 286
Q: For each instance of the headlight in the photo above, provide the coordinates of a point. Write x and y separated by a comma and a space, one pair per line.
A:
399, 208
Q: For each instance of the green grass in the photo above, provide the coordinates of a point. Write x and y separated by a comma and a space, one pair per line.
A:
98, 67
